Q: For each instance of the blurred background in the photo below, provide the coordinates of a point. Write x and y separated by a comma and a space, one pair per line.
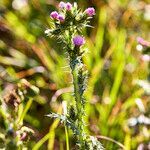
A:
118, 93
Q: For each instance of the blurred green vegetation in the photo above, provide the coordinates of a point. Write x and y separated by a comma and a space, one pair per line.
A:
118, 85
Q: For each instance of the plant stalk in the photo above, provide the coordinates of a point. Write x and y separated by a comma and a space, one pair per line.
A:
79, 105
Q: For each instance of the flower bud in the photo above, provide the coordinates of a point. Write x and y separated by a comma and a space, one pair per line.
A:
62, 5
68, 6
54, 15
61, 18
90, 11
78, 41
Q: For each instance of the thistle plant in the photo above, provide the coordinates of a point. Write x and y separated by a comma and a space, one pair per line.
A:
68, 25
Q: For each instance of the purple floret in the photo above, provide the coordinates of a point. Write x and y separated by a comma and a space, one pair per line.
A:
54, 15
62, 5
90, 11
68, 6
78, 40
61, 18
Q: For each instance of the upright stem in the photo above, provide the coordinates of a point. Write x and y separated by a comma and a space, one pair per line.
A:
76, 66
79, 101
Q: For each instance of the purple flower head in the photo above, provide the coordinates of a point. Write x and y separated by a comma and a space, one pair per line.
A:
78, 40
90, 11
143, 42
62, 5
68, 6
54, 15
61, 18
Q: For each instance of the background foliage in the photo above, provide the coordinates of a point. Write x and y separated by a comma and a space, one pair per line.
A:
118, 85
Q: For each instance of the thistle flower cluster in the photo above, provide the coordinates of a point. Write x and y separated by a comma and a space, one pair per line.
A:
67, 7
69, 17
68, 24
55, 15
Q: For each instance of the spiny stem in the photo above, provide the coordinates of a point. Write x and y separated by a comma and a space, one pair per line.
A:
79, 105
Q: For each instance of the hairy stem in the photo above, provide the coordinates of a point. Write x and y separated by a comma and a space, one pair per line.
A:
76, 73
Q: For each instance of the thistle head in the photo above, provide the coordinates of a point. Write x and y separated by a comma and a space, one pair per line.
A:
54, 15
90, 11
78, 41
61, 18
62, 5
68, 6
